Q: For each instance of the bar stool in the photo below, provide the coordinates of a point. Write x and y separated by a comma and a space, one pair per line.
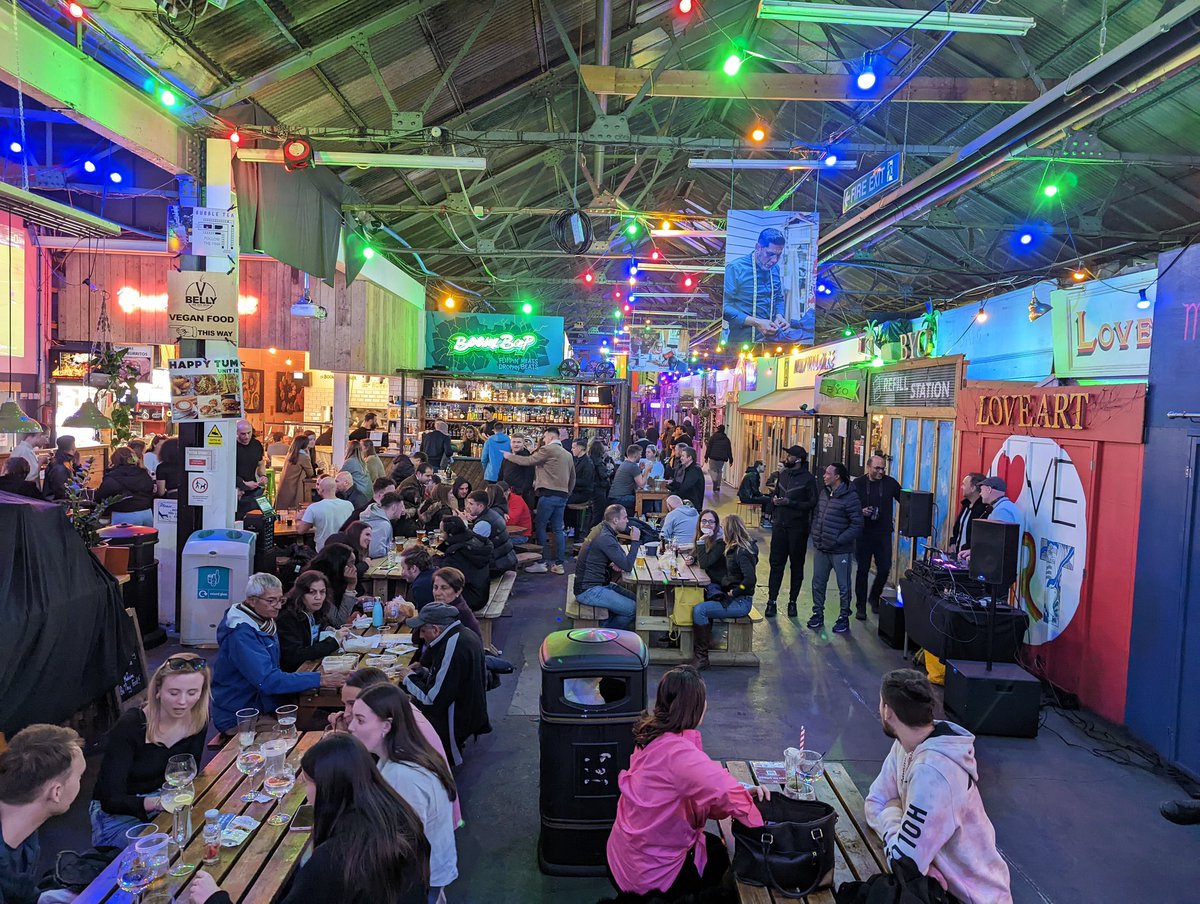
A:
750, 513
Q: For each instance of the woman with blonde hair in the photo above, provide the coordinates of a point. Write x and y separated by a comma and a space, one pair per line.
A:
356, 466
297, 468
172, 722
737, 588
374, 463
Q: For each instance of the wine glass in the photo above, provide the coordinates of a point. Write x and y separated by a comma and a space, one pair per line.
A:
134, 873
177, 800
280, 780
250, 763
181, 769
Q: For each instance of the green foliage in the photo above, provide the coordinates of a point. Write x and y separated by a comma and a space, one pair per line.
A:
120, 389
85, 514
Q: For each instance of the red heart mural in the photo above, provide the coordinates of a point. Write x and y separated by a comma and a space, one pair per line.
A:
1013, 472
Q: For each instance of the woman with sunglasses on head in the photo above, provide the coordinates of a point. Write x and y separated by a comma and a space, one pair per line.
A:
383, 719
368, 844
306, 623
173, 721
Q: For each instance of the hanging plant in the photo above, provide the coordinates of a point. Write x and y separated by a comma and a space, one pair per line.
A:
85, 514
117, 382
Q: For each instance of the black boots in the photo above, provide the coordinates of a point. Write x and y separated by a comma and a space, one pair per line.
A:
771, 609
701, 643
792, 609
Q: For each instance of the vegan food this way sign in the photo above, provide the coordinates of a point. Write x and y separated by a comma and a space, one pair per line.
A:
205, 389
202, 305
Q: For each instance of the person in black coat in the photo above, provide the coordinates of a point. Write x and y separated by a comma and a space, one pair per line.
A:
402, 468
971, 507
688, 482
791, 512
604, 471
718, 452
306, 624
369, 846
737, 588
835, 527
479, 513
436, 445
13, 479
878, 492
131, 488
472, 555
708, 551
61, 470
585, 474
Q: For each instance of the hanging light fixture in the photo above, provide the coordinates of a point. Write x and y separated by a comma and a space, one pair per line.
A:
89, 416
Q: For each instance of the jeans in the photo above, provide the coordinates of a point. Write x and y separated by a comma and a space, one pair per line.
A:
620, 603
550, 512
109, 830
823, 563
878, 547
518, 539
704, 613
627, 501
144, 518
715, 470
788, 543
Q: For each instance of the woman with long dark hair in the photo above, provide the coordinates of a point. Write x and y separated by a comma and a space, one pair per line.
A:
383, 720
459, 491
306, 623
437, 506
168, 475
604, 476
658, 845
339, 564
297, 468
368, 844
359, 533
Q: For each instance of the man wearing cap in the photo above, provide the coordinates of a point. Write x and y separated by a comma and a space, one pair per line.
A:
448, 687
794, 499
994, 491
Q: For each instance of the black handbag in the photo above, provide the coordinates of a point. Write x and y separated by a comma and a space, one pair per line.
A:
792, 852
903, 885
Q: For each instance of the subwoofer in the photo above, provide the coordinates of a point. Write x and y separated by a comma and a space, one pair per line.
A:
916, 514
994, 551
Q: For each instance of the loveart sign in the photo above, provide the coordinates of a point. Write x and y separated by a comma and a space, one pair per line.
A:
494, 343
1113, 413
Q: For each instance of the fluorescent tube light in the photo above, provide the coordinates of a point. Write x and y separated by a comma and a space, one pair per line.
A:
888, 17
795, 163
354, 158
686, 234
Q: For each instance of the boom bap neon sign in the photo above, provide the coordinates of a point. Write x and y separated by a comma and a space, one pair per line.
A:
504, 343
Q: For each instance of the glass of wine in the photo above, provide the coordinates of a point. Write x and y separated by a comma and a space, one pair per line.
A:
280, 780
177, 800
250, 763
181, 769
134, 873
247, 720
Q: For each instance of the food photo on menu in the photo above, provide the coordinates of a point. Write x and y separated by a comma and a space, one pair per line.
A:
214, 392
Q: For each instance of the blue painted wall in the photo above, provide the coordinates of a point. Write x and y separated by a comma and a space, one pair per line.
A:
1163, 695
1006, 346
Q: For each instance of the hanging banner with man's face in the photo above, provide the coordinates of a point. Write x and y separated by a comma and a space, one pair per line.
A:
770, 274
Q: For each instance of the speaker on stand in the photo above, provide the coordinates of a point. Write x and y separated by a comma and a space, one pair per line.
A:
916, 514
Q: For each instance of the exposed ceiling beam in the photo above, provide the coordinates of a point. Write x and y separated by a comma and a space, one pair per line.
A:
306, 59
58, 76
609, 80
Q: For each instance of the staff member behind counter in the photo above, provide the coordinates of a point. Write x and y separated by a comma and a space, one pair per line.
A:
249, 472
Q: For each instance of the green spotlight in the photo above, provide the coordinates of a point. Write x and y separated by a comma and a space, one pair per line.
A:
526, 308
732, 65
1050, 190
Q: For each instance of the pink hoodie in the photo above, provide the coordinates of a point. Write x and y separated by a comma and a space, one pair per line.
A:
670, 790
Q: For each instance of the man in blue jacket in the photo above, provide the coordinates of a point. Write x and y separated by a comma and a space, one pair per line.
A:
836, 525
494, 448
246, 673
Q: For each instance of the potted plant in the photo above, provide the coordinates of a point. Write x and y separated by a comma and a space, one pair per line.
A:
83, 511
117, 381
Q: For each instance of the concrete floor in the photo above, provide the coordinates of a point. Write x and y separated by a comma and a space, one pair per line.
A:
1072, 826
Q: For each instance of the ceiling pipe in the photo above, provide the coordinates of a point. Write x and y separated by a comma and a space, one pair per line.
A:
603, 51
1153, 54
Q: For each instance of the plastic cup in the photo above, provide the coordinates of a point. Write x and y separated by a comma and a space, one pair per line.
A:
141, 830
247, 720
154, 849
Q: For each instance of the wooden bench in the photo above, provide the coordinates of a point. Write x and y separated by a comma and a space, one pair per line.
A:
583, 616
525, 559
497, 600
859, 853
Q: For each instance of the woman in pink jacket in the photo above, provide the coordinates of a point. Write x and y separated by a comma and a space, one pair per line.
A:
670, 790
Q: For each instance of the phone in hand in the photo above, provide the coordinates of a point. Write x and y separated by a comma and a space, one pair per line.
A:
302, 821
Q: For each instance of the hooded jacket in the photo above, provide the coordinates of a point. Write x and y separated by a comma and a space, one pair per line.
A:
517, 476
246, 672
472, 555
839, 520
679, 525
450, 689
718, 447
929, 810
494, 448
689, 484
750, 491
402, 469
382, 535
504, 557
519, 520
740, 567
585, 481
131, 481
795, 497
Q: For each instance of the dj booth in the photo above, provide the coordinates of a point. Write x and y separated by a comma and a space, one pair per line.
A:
945, 613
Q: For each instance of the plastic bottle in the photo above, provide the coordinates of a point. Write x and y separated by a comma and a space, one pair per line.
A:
377, 614
212, 835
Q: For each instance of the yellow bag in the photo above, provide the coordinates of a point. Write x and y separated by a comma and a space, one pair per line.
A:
686, 599
935, 669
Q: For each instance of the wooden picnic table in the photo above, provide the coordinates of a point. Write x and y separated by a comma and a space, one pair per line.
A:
644, 496
859, 853
254, 871
330, 697
286, 531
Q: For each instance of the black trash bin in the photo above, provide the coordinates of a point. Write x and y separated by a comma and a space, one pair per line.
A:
141, 591
593, 690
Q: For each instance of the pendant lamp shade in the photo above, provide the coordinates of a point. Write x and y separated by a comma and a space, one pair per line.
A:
14, 420
88, 415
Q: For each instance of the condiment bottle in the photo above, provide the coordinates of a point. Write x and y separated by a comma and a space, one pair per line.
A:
212, 835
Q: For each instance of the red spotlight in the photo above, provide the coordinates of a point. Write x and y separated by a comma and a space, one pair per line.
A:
627, 308
684, 7
654, 255
688, 282
589, 277
234, 137
617, 293
75, 10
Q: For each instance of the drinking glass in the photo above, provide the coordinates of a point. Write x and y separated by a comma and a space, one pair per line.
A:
154, 850
181, 769
134, 873
279, 781
250, 763
287, 721
811, 766
141, 830
247, 720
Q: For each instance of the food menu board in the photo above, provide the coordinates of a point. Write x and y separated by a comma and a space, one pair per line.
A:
205, 388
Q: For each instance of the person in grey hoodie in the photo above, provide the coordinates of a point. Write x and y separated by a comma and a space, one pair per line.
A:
380, 516
925, 804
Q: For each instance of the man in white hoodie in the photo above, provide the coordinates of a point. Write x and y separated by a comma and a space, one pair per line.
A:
925, 804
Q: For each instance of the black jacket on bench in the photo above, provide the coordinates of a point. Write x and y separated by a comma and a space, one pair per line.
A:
472, 555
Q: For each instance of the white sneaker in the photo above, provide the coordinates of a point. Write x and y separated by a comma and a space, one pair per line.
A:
537, 568
558, 569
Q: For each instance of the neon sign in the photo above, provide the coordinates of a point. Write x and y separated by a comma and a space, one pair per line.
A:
131, 301
504, 343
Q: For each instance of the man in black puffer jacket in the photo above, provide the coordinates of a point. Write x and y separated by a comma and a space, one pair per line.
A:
837, 524
792, 506
472, 555
504, 557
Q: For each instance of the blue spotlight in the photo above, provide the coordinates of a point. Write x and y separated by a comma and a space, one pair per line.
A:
89, 167
15, 147
867, 76
115, 178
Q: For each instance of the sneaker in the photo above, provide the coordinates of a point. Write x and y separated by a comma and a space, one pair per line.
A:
1181, 812
816, 623
537, 568
558, 569
770, 613
861, 614
791, 610
842, 626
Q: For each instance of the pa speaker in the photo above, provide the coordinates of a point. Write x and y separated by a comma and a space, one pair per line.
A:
1004, 701
916, 514
994, 549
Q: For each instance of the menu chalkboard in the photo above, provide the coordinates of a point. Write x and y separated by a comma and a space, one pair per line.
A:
131, 690
914, 387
